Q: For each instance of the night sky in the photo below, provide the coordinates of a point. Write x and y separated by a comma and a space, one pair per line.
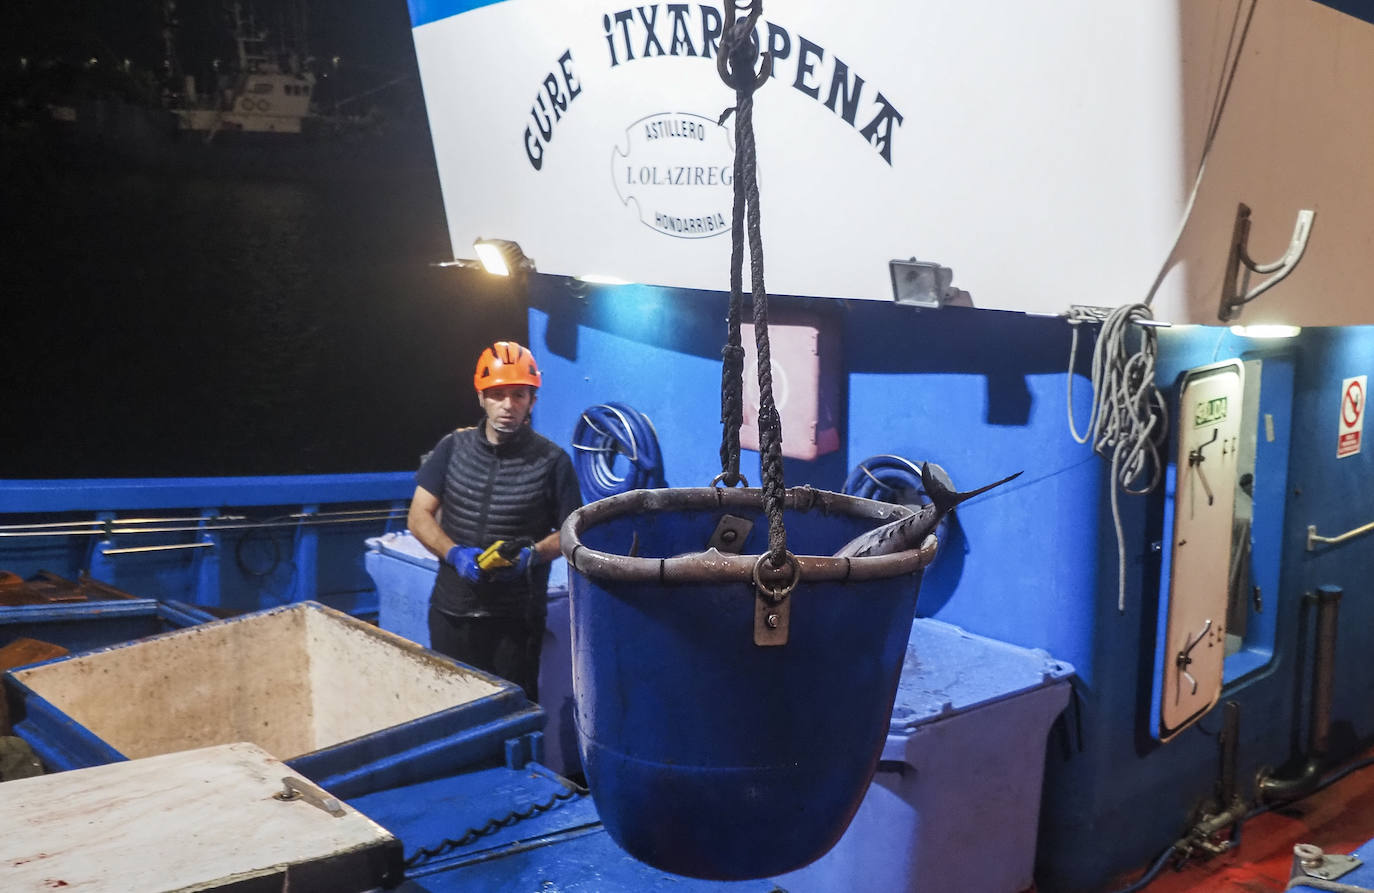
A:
177, 308
370, 39
363, 32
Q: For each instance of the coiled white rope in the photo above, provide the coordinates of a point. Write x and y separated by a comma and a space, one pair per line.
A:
1129, 419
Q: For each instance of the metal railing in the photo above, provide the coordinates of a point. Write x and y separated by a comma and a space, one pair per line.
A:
1314, 539
203, 524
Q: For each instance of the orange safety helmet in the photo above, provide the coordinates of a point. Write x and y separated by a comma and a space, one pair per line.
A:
506, 362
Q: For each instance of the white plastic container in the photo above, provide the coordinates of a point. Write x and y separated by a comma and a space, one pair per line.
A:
956, 800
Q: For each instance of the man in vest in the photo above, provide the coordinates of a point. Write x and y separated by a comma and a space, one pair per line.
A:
497, 482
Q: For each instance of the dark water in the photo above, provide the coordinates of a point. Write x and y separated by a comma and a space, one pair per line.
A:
174, 319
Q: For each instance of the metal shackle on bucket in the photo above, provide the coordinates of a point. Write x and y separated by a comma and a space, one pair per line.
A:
708, 755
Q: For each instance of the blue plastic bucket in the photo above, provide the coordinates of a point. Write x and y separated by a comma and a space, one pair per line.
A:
708, 755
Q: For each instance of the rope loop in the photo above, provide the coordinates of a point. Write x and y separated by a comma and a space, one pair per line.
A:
726, 480
776, 594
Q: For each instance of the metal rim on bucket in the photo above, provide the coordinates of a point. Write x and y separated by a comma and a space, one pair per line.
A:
715, 566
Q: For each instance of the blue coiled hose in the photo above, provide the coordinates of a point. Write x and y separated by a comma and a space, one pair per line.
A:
892, 479
886, 478
605, 431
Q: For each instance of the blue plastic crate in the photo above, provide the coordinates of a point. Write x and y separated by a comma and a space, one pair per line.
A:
957, 792
81, 626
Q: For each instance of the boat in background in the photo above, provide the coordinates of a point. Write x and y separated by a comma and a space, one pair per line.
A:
268, 93
270, 110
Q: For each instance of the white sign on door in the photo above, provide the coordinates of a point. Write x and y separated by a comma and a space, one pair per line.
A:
1350, 428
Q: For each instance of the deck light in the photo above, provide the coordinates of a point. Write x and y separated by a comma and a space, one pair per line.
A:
923, 283
1270, 331
501, 257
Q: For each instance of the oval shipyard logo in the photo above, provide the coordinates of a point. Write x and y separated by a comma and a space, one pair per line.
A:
677, 169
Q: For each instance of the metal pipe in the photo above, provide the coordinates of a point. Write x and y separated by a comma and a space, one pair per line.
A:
184, 519
1230, 735
167, 548
1324, 670
340, 514
1271, 789
305, 521
1231, 808
262, 525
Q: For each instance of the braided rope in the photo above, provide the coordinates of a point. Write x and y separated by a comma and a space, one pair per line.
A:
738, 50
732, 355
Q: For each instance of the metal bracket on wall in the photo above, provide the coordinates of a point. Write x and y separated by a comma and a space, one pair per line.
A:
1234, 282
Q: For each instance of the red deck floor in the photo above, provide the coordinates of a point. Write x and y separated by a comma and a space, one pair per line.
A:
1339, 819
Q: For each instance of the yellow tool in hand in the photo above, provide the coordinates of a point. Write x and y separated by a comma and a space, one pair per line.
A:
501, 553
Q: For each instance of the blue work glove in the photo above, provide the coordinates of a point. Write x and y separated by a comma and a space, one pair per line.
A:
464, 561
517, 569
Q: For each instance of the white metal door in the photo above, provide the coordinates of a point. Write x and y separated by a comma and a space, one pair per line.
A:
1194, 642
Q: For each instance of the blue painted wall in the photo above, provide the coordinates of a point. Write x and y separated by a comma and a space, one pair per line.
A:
1034, 563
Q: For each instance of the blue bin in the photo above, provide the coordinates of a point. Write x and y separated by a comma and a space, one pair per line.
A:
403, 571
81, 626
354, 708
506, 828
957, 793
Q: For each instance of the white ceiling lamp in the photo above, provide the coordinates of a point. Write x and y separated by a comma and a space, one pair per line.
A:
1266, 331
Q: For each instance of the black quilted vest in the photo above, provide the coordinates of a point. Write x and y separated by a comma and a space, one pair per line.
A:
494, 492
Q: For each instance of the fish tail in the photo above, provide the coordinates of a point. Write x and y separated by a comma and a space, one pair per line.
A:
946, 499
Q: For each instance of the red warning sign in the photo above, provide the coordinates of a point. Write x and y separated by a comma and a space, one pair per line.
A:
1350, 430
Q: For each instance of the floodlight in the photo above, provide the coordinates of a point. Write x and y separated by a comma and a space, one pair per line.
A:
923, 284
502, 257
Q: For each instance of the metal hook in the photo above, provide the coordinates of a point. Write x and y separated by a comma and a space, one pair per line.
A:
732, 79
1233, 294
